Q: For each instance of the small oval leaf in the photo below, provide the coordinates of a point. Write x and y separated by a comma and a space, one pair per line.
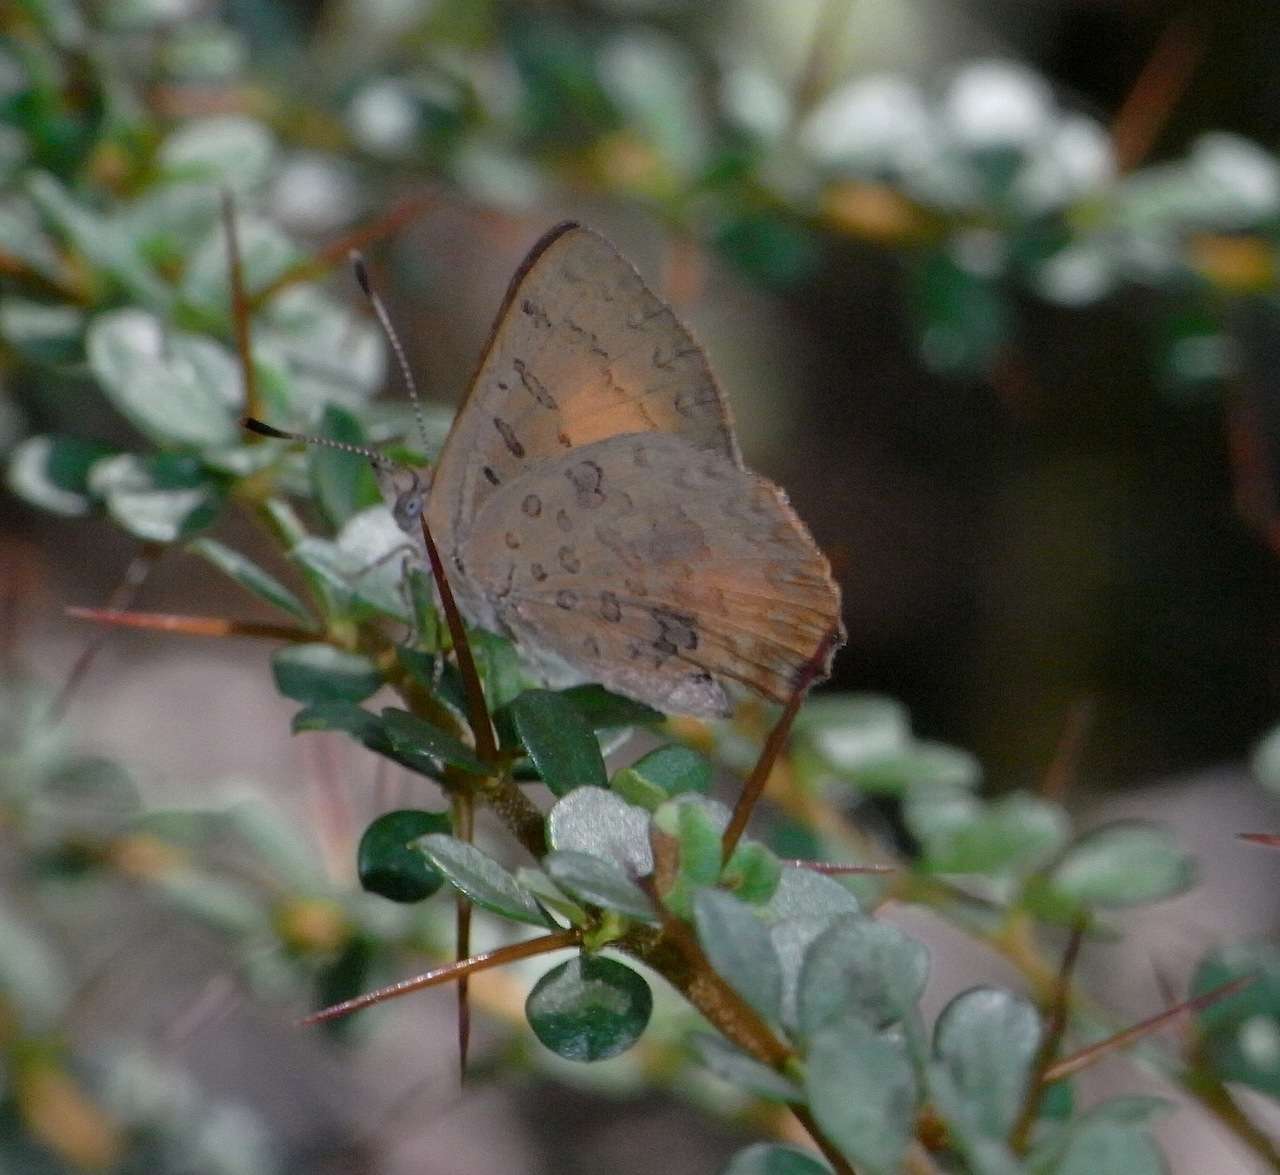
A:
589, 1008
1123, 864
251, 577
480, 878
385, 863
594, 821
739, 947
766, 1158
599, 883
416, 741
320, 673
559, 740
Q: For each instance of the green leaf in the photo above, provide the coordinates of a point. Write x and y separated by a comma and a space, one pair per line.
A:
51, 472
920, 767
752, 873
559, 740
847, 730
343, 483
604, 711
228, 151
1242, 1032
499, 666
733, 1065
804, 893
320, 673
594, 821
346, 717
385, 863
1104, 1148
598, 882
964, 834
176, 388
766, 1158
251, 577
659, 775
364, 564
1123, 864
41, 331
738, 946
962, 318
985, 1043
696, 826
160, 499
862, 1092
418, 741
480, 878
860, 967
589, 1008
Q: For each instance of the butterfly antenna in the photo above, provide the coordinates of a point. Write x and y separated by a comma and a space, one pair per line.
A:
384, 320
279, 434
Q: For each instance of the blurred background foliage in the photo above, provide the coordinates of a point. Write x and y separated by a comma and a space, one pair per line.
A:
992, 286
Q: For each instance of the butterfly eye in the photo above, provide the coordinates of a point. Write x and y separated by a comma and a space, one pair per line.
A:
409, 505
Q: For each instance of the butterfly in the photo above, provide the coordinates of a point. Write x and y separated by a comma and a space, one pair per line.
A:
591, 502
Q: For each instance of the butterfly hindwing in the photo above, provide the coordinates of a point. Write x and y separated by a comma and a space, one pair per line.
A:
658, 569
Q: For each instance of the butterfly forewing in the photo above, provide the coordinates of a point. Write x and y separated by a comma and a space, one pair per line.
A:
656, 568
581, 351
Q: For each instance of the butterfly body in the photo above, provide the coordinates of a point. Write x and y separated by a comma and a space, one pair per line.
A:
591, 501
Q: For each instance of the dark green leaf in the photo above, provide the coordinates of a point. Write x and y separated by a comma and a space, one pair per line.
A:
863, 968
387, 865
862, 1092
346, 717
251, 577
604, 710
920, 767
480, 878
697, 825
1104, 1148
321, 673
1123, 864
659, 775
343, 483
417, 740
961, 318
598, 882
589, 1008
1242, 1032
559, 740
738, 945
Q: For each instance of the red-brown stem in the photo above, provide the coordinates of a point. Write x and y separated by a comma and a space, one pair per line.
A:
1059, 1012
1269, 840
464, 829
477, 710
1095, 1052
1158, 88
336, 252
834, 868
561, 940
240, 312
192, 625
1065, 766
126, 591
754, 787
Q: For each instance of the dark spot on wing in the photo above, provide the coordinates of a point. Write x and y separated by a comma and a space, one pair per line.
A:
563, 521
512, 540
532, 505
587, 478
569, 560
609, 607
533, 385
492, 477
509, 437
567, 599
538, 572
678, 630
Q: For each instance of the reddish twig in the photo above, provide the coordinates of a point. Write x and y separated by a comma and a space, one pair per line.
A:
561, 940
240, 310
217, 626
754, 787
1065, 767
